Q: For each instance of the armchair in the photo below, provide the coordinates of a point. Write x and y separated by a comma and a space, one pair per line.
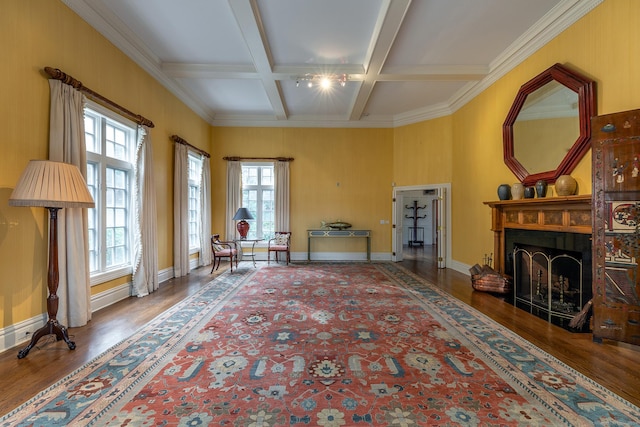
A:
222, 249
279, 243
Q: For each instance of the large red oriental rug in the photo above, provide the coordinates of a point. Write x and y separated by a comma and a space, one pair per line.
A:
328, 345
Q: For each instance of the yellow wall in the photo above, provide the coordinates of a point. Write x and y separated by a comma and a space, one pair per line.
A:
422, 153
602, 46
464, 149
39, 33
337, 174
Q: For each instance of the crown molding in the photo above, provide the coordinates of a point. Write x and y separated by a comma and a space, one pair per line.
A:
433, 112
561, 17
127, 42
301, 122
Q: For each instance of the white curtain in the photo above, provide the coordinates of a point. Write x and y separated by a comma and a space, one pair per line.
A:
145, 265
281, 170
67, 144
180, 211
205, 212
234, 195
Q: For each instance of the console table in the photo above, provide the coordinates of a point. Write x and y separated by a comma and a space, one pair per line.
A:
338, 233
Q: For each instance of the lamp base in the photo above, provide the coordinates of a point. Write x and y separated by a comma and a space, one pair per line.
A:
52, 327
243, 229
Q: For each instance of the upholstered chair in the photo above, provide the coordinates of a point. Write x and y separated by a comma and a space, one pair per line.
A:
222, 249
279, 243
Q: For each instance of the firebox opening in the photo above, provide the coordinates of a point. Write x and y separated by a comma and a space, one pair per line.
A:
551, 273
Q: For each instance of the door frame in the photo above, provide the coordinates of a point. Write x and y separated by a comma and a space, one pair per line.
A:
443, 224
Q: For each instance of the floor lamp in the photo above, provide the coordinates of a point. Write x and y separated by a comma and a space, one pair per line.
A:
52, 185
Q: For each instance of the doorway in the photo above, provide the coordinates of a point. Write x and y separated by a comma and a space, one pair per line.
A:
420, 217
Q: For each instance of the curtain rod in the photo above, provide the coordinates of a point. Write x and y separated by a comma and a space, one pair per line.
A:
280, 159
176, 138
56, 74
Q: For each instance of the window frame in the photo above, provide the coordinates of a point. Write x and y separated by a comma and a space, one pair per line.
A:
194, 157
259, 200
102, 162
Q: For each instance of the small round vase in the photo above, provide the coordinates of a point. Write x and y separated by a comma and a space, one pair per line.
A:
566, 185
541, 188
504, 191
529, 192
517, 191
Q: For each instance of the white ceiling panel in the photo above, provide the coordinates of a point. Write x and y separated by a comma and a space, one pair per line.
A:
316, 101
235, 62
231, 96
319, 32
446, 32
388, 98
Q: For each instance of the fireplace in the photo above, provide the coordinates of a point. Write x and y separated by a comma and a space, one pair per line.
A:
545, 245
551, 273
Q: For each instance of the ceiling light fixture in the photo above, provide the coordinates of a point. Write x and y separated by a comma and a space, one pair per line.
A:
324, 81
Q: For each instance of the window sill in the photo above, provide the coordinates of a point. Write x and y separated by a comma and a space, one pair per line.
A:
106, 276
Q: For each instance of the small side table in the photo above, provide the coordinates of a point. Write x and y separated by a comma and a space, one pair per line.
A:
252, 254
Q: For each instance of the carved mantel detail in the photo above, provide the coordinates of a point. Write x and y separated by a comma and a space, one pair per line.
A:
571, 214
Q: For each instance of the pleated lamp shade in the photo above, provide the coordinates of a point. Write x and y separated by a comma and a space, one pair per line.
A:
52, 185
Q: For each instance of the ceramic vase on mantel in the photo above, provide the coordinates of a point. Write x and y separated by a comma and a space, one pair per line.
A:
517, 191
566, 185
541, 188
529, 192
504, 191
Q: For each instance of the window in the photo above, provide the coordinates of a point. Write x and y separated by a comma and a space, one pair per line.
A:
110, 142
258, 195
195, 179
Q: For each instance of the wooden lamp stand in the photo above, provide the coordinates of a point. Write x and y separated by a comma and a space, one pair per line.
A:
52, 327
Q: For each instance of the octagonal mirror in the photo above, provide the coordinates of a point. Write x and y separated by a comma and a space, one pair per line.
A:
548, 128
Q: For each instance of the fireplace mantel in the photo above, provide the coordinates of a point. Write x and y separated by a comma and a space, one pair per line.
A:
570, 214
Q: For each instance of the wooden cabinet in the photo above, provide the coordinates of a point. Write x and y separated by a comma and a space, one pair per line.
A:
616, 226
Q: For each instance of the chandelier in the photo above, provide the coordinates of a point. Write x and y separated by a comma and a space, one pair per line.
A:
324, 81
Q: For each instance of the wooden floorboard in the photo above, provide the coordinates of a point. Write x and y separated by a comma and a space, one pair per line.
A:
614, 365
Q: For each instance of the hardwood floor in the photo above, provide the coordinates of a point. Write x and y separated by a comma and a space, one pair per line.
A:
614, 365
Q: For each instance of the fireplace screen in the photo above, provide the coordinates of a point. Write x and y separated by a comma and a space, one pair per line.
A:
549, 283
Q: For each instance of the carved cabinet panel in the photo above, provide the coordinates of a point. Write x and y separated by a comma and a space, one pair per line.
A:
616, 226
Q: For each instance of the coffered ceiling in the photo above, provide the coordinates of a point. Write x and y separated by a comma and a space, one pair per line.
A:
247, 62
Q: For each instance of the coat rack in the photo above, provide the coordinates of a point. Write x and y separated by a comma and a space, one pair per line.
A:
415, 239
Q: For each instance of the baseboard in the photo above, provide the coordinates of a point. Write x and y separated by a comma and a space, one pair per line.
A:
459, 267
110, 296
20, 332
166, 274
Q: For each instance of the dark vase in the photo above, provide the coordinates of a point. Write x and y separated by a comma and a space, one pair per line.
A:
541, 188
529, 192
504, 191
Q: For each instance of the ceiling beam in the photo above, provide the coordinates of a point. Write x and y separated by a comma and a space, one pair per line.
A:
391, 23
250, 23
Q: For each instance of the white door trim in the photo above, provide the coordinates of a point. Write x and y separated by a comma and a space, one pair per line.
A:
444, 220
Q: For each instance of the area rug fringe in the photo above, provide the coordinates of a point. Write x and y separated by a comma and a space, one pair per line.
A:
225, 285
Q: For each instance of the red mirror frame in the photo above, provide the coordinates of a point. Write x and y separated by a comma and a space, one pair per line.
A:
585, 88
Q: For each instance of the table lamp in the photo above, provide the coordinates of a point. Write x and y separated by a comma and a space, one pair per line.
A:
243, 226
52, 185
